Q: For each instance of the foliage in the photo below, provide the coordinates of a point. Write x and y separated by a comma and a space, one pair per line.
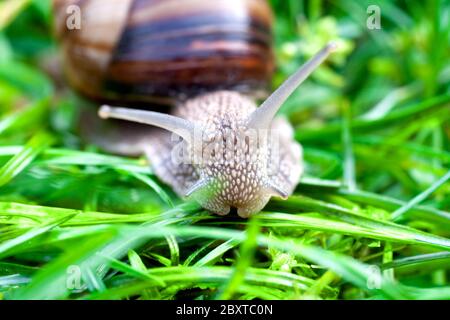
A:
370, 219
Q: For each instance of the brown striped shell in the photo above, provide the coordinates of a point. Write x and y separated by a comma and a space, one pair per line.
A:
166, 50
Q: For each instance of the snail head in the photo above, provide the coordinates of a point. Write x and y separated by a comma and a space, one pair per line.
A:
242, 155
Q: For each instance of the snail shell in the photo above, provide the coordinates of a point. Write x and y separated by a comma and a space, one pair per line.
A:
162, 51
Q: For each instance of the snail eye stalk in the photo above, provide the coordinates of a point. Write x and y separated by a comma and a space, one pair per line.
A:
181, 127
262, 117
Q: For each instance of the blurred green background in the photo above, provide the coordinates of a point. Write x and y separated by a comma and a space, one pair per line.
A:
373, 121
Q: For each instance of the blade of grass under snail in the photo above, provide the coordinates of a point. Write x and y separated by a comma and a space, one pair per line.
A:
32, 215
72, 233
22, 159
29, 215
351, 224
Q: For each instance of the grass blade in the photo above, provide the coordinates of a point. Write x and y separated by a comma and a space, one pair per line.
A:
123, 267
152, 184
420, 197
51, 281
305, 204
422, 258
20, 161
216, 253
246, 253
395, 117
9, 9
8, 247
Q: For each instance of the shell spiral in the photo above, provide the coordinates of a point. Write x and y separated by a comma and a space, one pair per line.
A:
161, 51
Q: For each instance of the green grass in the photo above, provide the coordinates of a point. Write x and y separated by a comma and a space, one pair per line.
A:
369, 220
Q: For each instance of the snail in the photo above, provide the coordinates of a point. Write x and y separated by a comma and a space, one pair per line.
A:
209, 61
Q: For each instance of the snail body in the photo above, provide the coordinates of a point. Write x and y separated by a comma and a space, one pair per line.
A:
234, 154
226, 170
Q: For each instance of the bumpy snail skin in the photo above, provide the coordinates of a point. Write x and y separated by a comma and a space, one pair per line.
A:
245, 179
